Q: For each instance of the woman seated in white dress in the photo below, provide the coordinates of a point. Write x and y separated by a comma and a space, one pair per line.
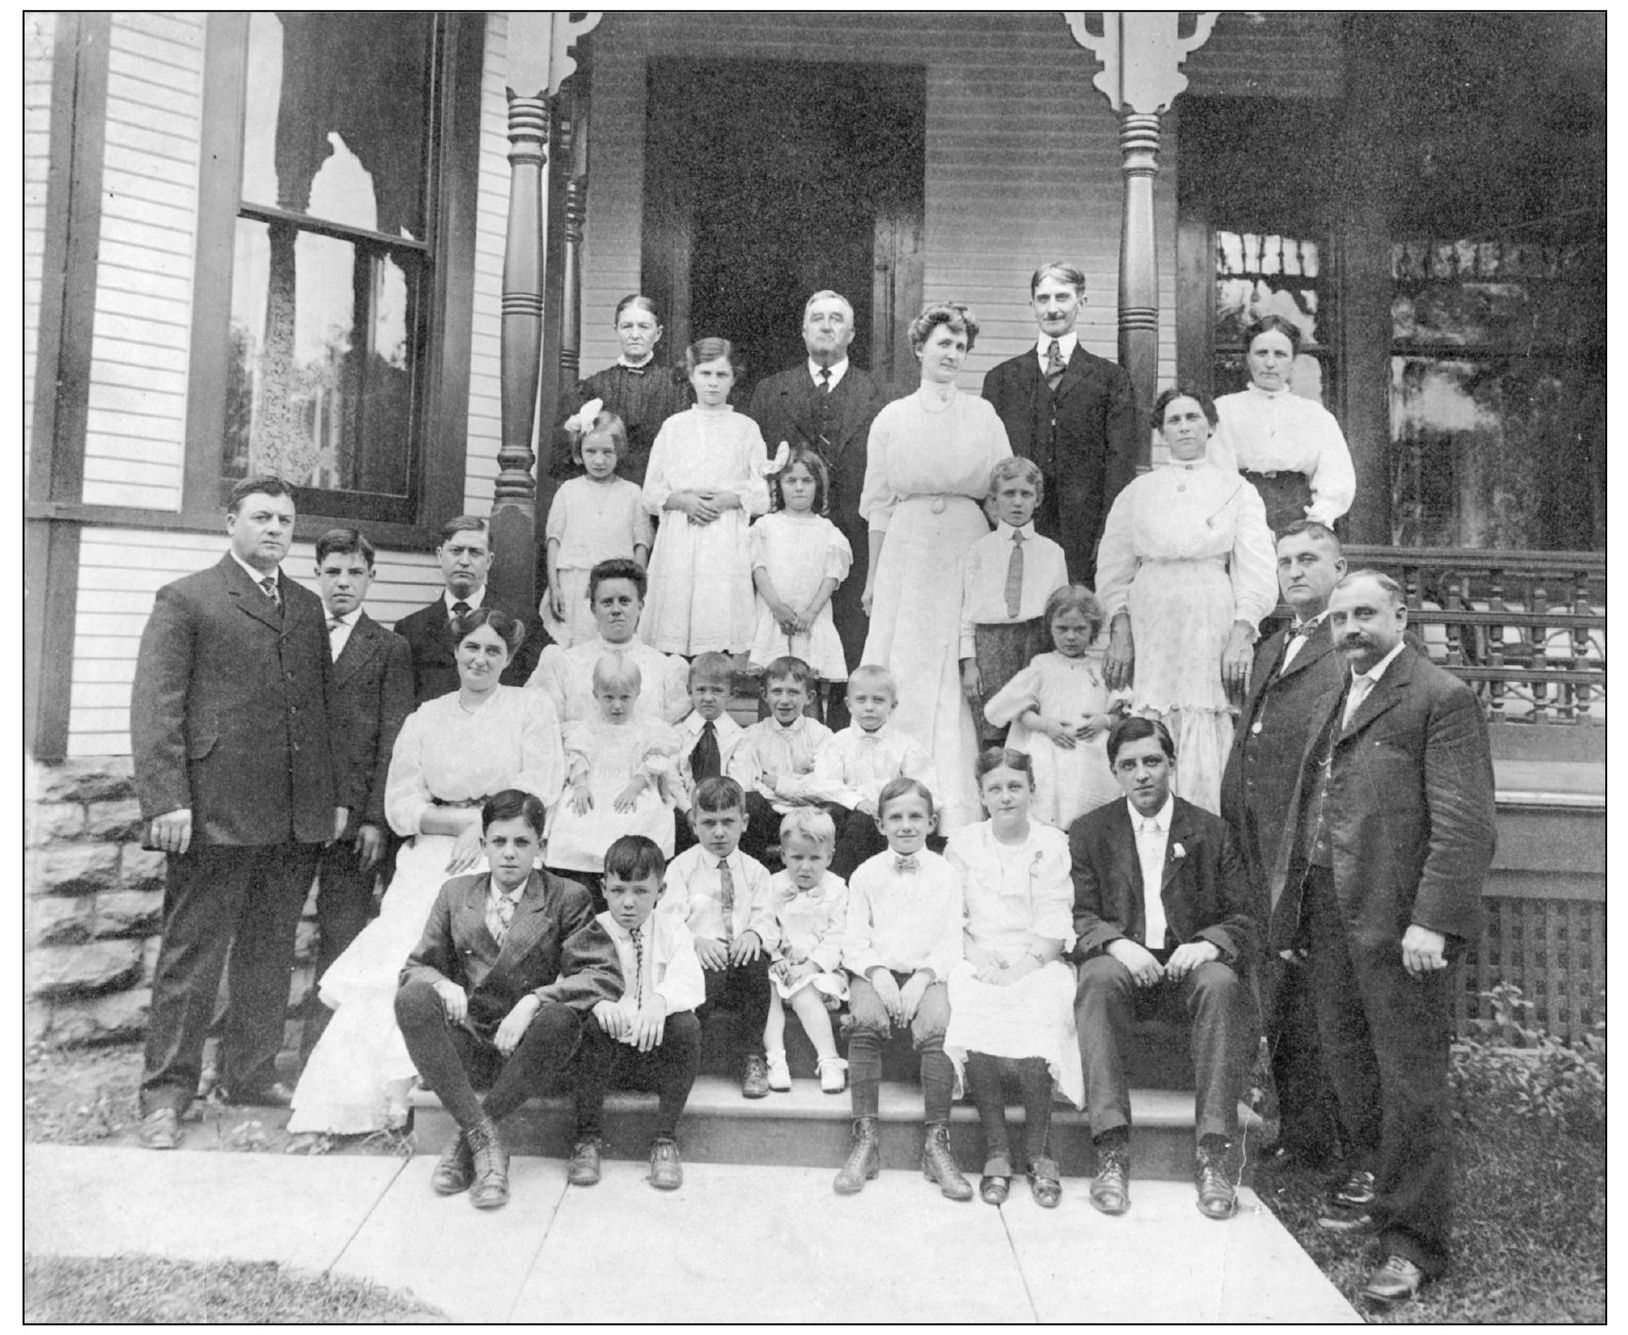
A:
452, 753
1012, 996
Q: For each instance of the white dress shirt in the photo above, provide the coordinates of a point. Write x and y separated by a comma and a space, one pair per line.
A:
729, 734
1297, 638
853, 766
837, 370
693, 896
1363, 682
1152, 839
671, 969
1065, 348
339, 635
788, 753
252, 573
474, 600
983, 580
904, 920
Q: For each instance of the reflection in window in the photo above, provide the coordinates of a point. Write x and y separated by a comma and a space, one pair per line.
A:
1497, 392
1261, 274
330, 260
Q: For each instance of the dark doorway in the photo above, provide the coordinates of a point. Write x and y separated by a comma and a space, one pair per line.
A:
766, 181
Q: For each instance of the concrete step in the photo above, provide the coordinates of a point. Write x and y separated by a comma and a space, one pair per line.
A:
810, 1129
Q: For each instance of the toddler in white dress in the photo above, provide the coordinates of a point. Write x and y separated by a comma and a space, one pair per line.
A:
619, 776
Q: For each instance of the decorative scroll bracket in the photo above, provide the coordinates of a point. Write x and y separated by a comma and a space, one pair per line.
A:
1141, 56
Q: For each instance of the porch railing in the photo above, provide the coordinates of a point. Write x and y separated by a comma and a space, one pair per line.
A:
1525, 629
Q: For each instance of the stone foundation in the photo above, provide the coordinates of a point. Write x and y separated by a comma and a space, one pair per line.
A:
93, 900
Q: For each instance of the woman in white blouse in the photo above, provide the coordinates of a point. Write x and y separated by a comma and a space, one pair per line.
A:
1289, 448
452, 753
927, 470
1185, 573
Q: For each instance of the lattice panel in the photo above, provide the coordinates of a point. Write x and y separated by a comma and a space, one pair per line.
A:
1552, 949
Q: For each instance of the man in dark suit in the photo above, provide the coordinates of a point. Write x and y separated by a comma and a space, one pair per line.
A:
241, 787
465, 554
1165, 925
828, 404
372, 694
510, 963
1071, 412
1381, 881
1293, 670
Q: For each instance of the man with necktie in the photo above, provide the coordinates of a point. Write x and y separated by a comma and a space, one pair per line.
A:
1165, 925
1381, 877
372, 695
241, 786
1073, 413
465, 554
828, 404
1293, 670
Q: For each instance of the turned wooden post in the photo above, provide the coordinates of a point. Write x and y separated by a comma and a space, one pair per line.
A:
540, 47
1141, 59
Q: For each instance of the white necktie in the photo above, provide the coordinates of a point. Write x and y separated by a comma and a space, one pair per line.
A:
1360, 686
1150, 850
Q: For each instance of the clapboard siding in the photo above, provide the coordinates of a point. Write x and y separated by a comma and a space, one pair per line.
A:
39, 34
1012, 178
120, 573
485, 423
139, 350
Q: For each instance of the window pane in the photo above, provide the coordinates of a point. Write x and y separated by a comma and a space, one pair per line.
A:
336, 117
1258, 275
320, 386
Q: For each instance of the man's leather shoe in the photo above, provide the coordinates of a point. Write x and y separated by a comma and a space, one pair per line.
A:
1111, 1188
489, 1188
274, 1095
666, 1168
583, 1170
456, 1170
1395, 1280
1349, 1205
938, 1164
864, 1160
160, 1129
755, 1078
1217, 1197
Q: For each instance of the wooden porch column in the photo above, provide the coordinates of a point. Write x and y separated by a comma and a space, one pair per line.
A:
1141, 74
540, 58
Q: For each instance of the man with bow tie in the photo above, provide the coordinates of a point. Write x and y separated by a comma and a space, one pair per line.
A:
828, 404
371, 698
241, 787
1293, 669
1073, 413
1165, 925
1381, 876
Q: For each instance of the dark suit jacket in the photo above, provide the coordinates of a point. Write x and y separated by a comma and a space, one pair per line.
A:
1269, 744
428, 633
1411, 810
782, 406
1091, 428
1206, 894
555, 948
372, 694
229, 712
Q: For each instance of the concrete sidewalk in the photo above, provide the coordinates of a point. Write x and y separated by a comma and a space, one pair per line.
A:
736, 1243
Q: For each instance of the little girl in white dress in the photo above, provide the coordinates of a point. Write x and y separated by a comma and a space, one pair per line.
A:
799, 557
592, 519
1061, 712
705, 482
619, 775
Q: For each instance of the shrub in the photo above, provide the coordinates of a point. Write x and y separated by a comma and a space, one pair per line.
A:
1514, 1069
